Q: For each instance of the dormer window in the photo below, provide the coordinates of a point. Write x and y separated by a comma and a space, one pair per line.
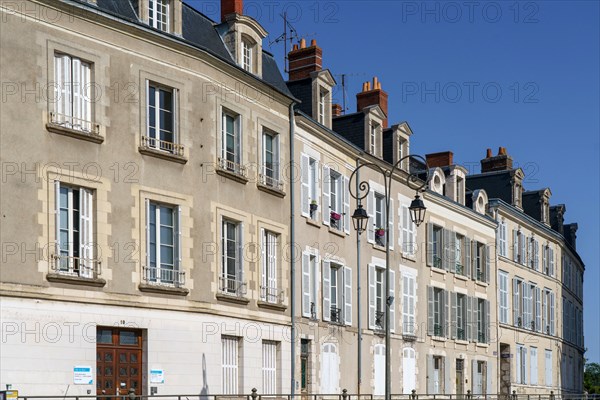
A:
373, 138
322, 105
518, 195
158, 14
545, 213
247, 55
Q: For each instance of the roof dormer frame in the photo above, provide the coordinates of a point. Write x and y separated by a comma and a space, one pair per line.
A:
323, 82
242, 28
374, 117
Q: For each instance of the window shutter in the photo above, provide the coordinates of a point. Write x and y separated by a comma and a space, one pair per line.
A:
430, 380
534, 368
326, 195
264, 264
545, 267
446, 318
371, 214
453, 324
326, 290
467, 250
85, 231
451, 252
524, 361
404, 236
487, 263
468, 318
392, 307
529, 241
430, 307
536, 255
519, 363
391, 224
516, 302
474, 380
306, 285
63, 84
489, 387
445, 242
515, 245
304, 188
372, 307
548, 380
524, 240
545, 321
551, 257
240, 253
429, 245
238, 139
538, 309
347, 295
475, 311
346, 195
487, 322
447, 373
473, 265
552, 313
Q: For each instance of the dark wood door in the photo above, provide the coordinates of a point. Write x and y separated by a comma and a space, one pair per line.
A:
118, 361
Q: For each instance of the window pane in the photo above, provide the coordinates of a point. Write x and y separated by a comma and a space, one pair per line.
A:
104, 336
128, 338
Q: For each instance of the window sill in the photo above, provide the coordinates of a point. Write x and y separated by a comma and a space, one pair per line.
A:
149, 288
484, 345
439, 338
409, 337
76, 280
271, 190
232, 175
378, 247
337, 232
232, 298
461, 341
482, 284
410, 257
312, 222
439, 270
271, 306
75, 133
162, 155
461, 277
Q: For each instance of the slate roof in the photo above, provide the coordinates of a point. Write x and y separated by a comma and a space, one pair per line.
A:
351, 127
388, 145
531, 203
496, 184
302, 90
199, 31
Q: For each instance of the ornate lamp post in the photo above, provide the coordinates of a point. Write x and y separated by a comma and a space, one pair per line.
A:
360, 220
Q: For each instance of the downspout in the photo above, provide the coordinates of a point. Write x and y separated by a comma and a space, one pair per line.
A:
292, 252
358, 296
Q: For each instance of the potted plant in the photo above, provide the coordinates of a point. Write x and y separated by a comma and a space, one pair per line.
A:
335, 216
379, 232
313, 206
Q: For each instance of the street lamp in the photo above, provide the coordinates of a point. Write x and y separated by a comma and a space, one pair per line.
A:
360, 218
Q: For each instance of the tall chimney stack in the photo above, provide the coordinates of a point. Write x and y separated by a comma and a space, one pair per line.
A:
373, 96
501, 162
231, 7
304, 60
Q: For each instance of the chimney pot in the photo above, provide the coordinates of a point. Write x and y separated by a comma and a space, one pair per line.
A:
302, 43
336, 110
501, 162
295, 47
376, 96
313, 43
231, 7
304, 60
375, 82
502, 151
489, 153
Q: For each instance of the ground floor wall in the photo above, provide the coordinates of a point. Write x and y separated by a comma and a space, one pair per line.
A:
51, 348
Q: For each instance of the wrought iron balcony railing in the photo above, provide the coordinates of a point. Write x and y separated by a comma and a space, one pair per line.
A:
380, 320
336, 315
270, 182
164, 276
76, 266
271, 295
162, 145
77, 124
232, 286
232, 167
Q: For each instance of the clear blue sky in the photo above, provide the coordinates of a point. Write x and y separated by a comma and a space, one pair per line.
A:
472, 75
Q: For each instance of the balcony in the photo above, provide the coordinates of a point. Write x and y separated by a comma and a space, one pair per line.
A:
231, 289
232, 170
460, 270
438, 330
271, 297
460, 334
74, 127
379, 320
67, 269
162, 149
163, 280
335, 316
481, 337
271, 185
437, 261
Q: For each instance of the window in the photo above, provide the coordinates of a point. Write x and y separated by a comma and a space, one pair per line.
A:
548, 260
521, 364
337, 293
437, 311
309, 192
322, 106
309, 285
518, 191
304, 365
409, 298
270, 158
380, 219
335, 199
435, 246
378, 298
502, 242
480, 262
247, 55
72, 93
548, 367
409, 370
161, 110
163, 248
231, 279
269, 290
460, 254
519, 247
435, 374
373, 138
409, 233
483, 320
461, 316
534, 367
230, 360
503, 297
231, 155
533, 250
460, 190
158, 14
74, 221
269, 366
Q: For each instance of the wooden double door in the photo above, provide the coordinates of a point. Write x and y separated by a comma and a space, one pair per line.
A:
118, 361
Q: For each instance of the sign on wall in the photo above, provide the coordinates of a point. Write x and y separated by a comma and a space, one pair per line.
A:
157, 376
82, 376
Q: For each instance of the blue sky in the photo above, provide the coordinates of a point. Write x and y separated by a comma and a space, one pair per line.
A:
472, 75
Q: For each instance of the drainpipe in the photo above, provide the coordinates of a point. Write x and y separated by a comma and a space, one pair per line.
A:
358, 296
292, 252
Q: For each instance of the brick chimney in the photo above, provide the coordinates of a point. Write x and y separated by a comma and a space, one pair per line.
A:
304, 60
441, 159
231, 7
373, 96
336, 110
501, 162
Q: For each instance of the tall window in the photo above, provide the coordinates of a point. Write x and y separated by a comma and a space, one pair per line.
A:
230, 360
521, 364
548, 367
322, 105
163, 244
158, 14
161, 119
503, 297
72, 93
435, 250
269, 289
378, 298
502, 242
270, 367
483, 316
310, 285
230, 142
548, 260
336, 199
373, 138
435, 374
534, 366
304, 365
231, 280
380, 219
437, 311
74, 231
409, 297
409, 232
460, 255
480, 261
336, 292
519, 247
309, 193
270, 157
247, 55
461, 316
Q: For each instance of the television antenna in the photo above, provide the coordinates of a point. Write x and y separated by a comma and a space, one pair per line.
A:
289, 34
344, 84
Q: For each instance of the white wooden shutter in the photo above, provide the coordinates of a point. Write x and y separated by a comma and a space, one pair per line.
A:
371, 214
346, 194
269, 367
486, 260
178, 239
264, 263
391, 225
229, 362
524, 240
430, 312
304, 185
515, 246
272, 270
489, 387
453, 319
447, 373
552, 313
468, 318
430, 377
529, 241
85, 93
467, 250
63, 78
519, 363
326, 290
474, 377
534, 367
548, 368
306, 285
347, 295
86, 232
487, 322
408, 370
238, 139
326, 366
516, 305
372, 306
326, 195
446, 318
392, 307
403, 237
379, 370
536, 255
429, 244
240, 253
551, 257
445, 249
538, 309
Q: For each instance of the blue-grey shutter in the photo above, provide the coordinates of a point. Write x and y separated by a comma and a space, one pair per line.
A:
347, 295
326, 290
453, 324
468, 318
489, 387
487, 263
429, 244
487, 321
446, 319
430, 305
467, 251
430, 382
326, 195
